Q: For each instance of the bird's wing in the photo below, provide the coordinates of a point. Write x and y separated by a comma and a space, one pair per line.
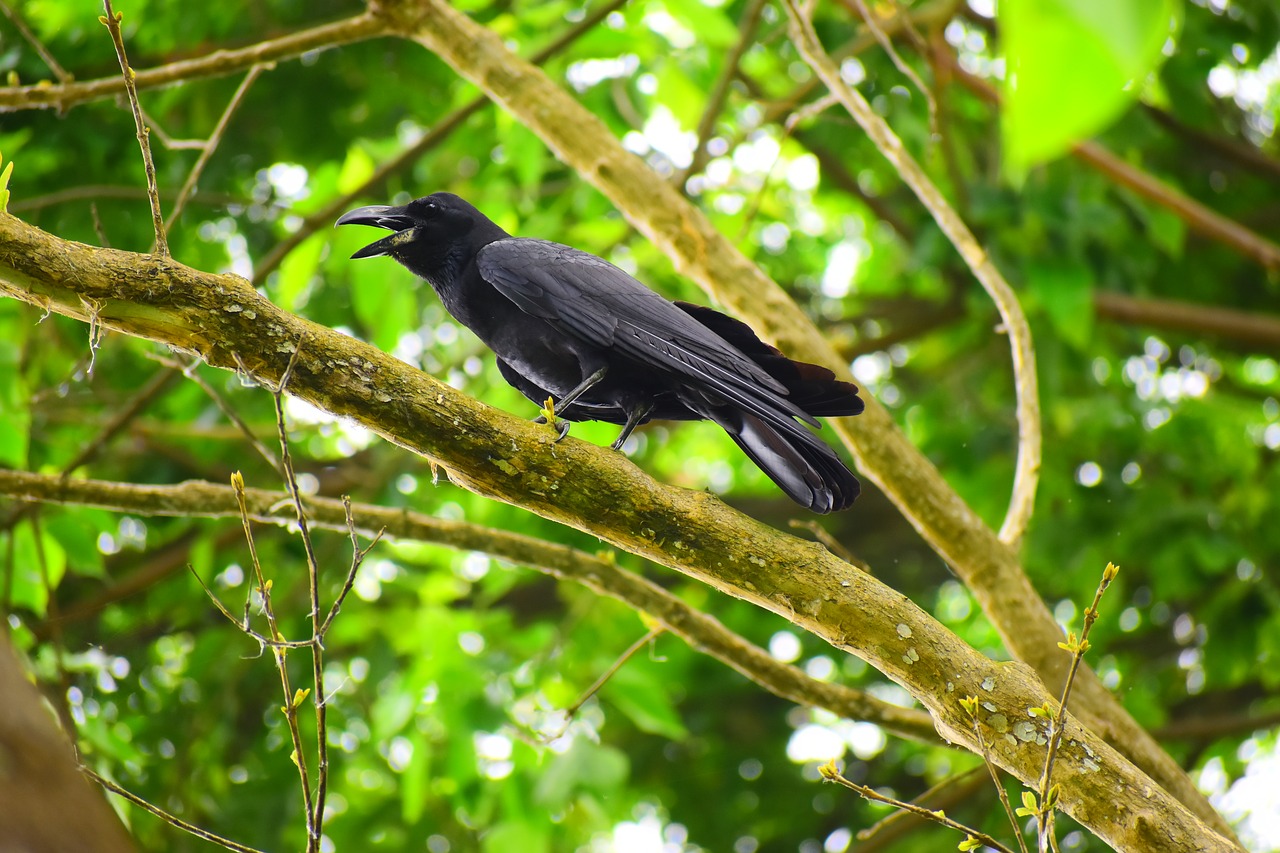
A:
596, 302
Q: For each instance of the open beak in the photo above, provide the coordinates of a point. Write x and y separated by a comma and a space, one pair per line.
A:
381, 216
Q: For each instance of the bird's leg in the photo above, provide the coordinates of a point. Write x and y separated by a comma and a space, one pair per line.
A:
634, 417
581, 388
562, 427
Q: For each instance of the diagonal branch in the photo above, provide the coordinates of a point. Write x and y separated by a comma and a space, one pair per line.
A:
701, 631
591, 489
988, 566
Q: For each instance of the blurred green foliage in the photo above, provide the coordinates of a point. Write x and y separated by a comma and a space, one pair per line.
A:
1160, 444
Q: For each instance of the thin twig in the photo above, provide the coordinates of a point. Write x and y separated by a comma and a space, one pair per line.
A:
948, 793
189, 370
971, 706
170, 142
831, 543
216, 63
1058, 719
112, 22
21, 26
600, 682
831, 774
886, 43
98, 227
315, 810
242, 623
1027, 471
166, 817
357, 557
211, 145
291, 699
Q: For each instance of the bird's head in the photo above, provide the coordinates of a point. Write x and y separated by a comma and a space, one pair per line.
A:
428, 224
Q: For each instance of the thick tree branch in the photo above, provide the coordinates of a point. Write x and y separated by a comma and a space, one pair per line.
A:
704, 633
988, 566
63, 96
47, 803
230, 325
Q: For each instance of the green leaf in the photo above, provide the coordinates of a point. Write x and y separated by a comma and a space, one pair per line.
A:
1072, 66
29, 589
1066, 292
516, 835
15, 409
4, 184
383, 304
586, 766
645, 701
356, 169
297, 271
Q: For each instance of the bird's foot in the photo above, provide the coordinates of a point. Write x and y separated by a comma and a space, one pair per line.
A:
548, 416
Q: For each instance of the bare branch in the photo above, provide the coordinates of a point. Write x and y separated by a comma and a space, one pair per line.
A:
112, 22
720, 91
861, 10
830, 773
1250, 328
219, 63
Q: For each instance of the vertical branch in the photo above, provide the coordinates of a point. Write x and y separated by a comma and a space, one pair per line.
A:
1058, 720
315, 810
112, 22
279, 650
1027, 473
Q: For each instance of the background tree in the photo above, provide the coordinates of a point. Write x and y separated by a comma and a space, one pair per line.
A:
1140, 259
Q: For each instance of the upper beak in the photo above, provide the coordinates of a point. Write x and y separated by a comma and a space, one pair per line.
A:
381, 216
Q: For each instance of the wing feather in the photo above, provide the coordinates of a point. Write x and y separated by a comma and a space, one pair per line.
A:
593, 300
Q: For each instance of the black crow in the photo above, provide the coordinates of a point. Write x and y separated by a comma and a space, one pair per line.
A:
570, 326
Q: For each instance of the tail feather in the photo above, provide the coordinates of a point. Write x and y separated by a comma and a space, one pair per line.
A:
812, 387
802, 465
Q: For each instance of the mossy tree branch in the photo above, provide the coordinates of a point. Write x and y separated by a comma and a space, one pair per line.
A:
230, 325
989, 567
703, 632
